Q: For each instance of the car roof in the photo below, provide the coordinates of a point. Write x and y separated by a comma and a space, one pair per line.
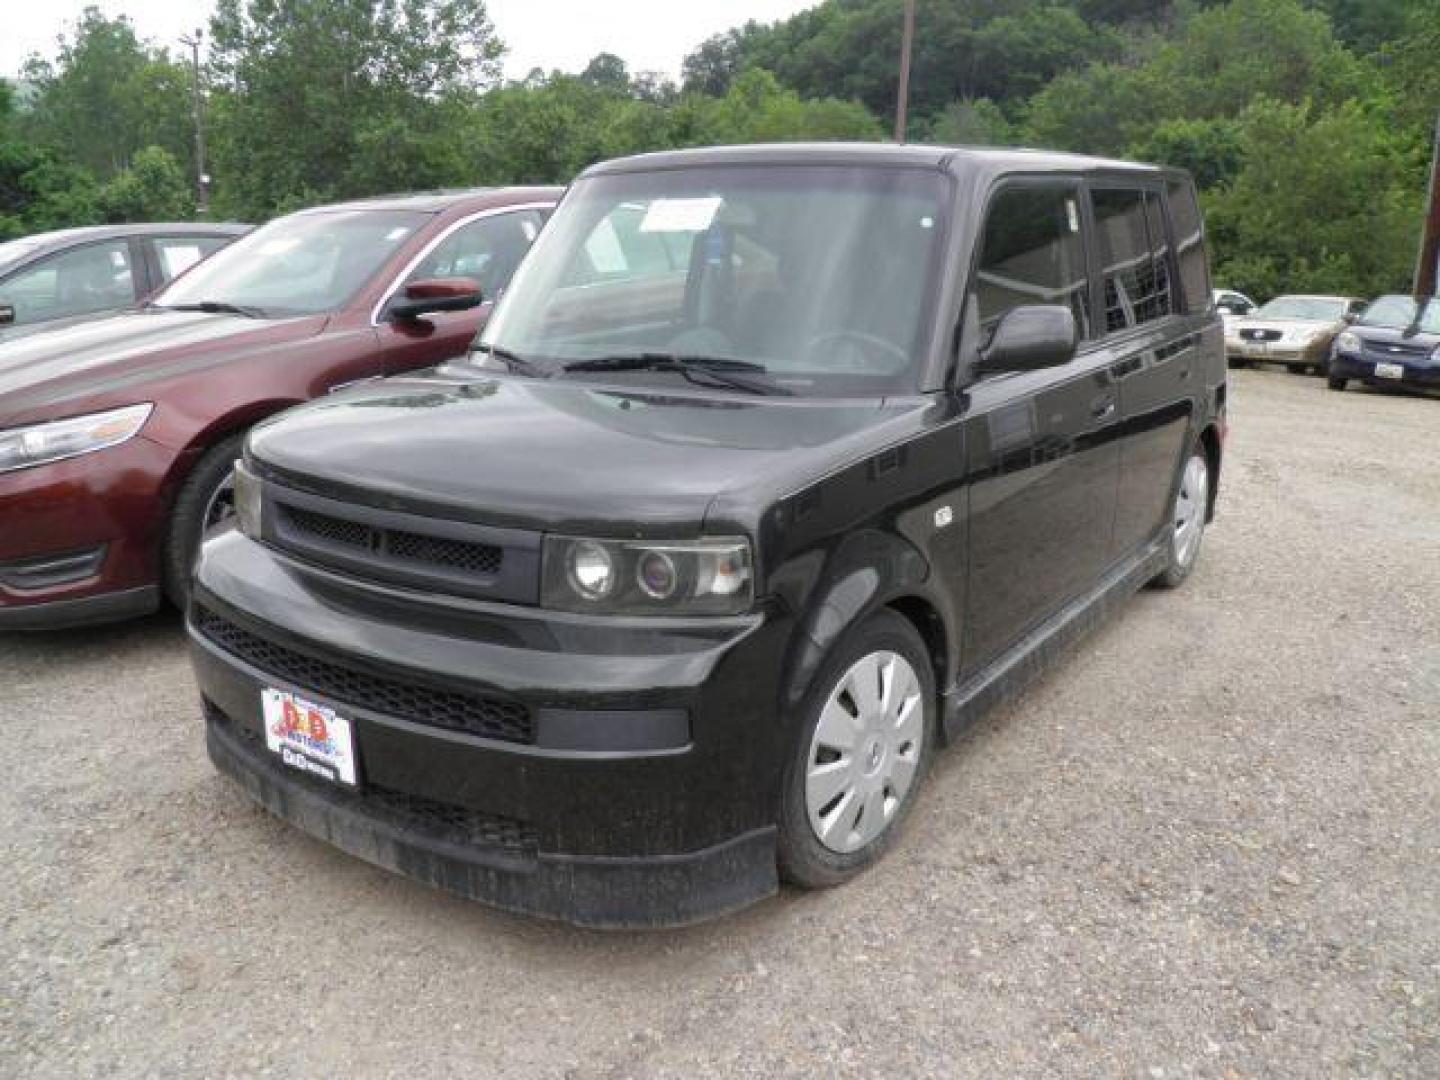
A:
436, 202
946, 158
1312, 296
48, 241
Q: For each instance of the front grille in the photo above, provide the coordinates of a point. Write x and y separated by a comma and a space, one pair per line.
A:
491, 716
431, 818
396, 545
440, 551
1397, 350
330, 530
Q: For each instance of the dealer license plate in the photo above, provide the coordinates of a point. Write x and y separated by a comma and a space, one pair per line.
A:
1389, 371
309, 737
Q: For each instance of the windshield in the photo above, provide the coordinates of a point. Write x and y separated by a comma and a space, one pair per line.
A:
15, 250
1315, 308
822, 276
299, 265
1398, 313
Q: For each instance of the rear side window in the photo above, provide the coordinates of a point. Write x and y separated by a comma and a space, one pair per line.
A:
1189, 244
1033, 253
178, 253
1135, 257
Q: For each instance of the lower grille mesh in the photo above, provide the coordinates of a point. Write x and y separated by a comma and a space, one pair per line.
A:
428, 817
477, 714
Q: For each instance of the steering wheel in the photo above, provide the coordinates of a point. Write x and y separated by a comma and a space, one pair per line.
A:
854, 350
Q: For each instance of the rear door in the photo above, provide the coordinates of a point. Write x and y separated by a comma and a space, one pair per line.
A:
1151, 350
488, 248
1041, 449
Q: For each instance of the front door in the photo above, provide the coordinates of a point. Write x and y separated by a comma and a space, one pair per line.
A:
1042, 450
487, 248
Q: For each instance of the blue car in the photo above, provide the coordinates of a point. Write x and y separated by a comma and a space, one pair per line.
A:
1396, 342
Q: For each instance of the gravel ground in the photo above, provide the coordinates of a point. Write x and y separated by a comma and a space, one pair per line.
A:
1206, 845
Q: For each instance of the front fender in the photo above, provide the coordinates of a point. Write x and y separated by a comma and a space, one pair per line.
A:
830, 592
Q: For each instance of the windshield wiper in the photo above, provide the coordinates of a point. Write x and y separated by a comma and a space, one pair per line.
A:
513, 361
217, 307
703, 370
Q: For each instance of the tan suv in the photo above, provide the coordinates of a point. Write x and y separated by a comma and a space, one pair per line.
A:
1296, 331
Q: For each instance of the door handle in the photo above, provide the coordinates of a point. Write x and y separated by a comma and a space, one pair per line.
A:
1102, 408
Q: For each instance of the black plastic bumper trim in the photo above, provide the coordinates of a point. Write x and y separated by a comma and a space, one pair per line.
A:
604, 893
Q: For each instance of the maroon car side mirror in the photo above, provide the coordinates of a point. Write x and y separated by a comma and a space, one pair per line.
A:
436, 294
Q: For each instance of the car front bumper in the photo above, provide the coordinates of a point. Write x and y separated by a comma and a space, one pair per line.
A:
79, 538
1276, 352
1416, 373
610, 815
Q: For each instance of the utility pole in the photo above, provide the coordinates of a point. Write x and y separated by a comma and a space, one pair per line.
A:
1428, 265
907, 44
202, 181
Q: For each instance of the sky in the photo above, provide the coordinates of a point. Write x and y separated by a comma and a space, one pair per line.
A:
650, 35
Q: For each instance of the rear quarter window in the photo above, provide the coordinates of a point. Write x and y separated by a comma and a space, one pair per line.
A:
1189, 231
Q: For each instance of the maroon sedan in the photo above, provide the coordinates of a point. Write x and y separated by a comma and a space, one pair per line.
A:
117, 436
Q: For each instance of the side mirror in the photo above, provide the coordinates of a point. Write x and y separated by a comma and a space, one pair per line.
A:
7, 314
1031, 337
1351, 317
436, 294
1227, 309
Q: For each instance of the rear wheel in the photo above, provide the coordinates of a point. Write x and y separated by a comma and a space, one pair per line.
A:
860, 754
1334, 382
1192, 508
206, 500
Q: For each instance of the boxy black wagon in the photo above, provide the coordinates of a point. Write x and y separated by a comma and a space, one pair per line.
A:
774, 465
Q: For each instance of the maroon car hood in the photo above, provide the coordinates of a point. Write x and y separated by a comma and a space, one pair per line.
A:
53, 373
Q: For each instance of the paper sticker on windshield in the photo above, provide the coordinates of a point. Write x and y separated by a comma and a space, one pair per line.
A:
1073, 213
681, 215
398, 233
280, 245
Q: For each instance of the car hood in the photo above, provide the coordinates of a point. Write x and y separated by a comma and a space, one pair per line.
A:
556, 454
51, 372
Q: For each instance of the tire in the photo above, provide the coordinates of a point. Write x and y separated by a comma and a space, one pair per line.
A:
1334, 382
1192, 507
886, 759
200, 505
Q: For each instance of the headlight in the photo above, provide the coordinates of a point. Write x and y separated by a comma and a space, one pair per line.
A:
1349, 341
706, 577
249, 504
40, 444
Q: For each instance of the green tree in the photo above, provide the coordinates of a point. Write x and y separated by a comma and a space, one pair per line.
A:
153, 188
340, 98
1323, 202
106, 95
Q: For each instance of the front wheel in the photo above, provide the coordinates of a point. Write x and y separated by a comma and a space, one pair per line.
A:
206, 500
860, 753
1336, 383
1192, 508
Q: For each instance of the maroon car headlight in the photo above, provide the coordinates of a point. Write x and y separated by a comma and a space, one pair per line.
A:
56, 440
620, 577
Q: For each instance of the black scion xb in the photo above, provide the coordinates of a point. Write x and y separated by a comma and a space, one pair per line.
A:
774, 466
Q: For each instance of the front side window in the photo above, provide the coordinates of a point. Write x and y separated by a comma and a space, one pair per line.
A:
96, 277
305, 264
1134, 256
1032, 252
487, 250
821, 275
